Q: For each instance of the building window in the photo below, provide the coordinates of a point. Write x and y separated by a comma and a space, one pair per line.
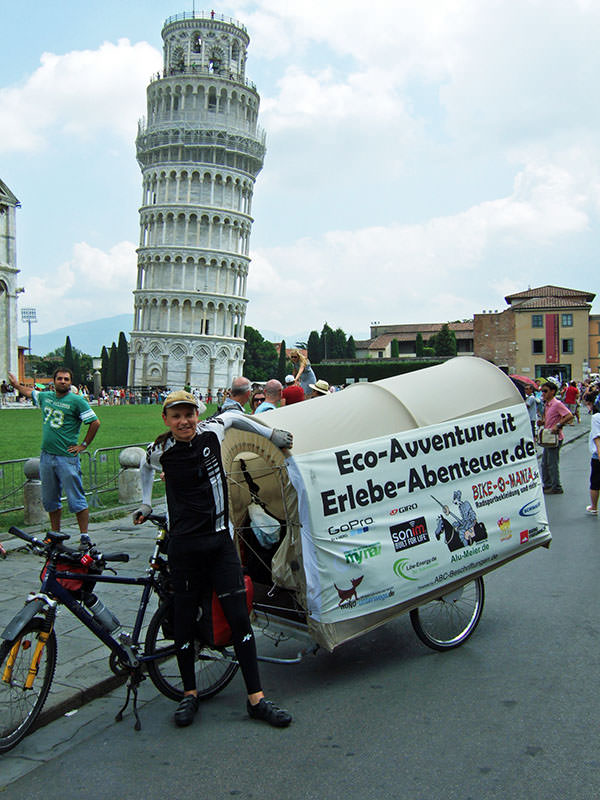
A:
567, 345
566, 320
598, 343
380, 354
537, 320
537, 346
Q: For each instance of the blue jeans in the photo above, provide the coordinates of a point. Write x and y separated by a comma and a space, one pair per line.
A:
550, 473
61, 474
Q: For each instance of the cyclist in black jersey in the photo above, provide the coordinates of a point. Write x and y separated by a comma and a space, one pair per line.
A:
201, 552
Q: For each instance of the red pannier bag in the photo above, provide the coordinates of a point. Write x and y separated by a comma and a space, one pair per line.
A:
214, 626
72, 584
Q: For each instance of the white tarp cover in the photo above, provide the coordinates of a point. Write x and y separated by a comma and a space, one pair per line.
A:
373, 475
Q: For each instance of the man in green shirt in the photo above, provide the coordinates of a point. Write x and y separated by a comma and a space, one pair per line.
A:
60, 470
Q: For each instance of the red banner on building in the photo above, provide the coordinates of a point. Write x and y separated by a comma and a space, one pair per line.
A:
552, 353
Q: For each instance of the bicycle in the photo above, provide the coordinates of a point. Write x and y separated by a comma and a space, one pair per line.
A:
443, 623
28, 654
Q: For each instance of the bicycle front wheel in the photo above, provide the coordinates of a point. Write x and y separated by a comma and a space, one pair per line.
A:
214, 668
20, 704
448, 621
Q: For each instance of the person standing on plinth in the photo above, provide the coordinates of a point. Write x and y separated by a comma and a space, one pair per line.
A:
63, 413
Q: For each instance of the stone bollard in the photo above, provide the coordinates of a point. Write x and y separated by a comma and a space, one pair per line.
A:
130, 482
32, 494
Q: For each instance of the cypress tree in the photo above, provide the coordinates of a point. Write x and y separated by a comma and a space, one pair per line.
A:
105, 366
68, 359
350, 347
394, 348
313, 348
122, 360
338, 344
112, 365
326, 341
282, 363
419, 345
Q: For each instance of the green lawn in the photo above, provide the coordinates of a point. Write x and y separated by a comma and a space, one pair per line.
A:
21, 429
21, 436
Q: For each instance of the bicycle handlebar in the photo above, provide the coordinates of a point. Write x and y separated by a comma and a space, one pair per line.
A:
26, 537
124, 557
66, 552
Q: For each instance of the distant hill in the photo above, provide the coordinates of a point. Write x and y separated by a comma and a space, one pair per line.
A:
89, 337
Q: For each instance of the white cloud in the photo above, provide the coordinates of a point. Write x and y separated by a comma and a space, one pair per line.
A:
319, 99
442, 268
81, 93
91, 285
506, 71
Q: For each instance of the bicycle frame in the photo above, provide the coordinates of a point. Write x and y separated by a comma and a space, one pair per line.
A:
123, 650
52, 593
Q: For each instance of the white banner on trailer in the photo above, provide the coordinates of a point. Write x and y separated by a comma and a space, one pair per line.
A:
393, 518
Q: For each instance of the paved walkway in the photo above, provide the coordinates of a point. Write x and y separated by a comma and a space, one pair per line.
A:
83, 672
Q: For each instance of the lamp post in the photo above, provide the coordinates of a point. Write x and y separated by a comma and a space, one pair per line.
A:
29, 315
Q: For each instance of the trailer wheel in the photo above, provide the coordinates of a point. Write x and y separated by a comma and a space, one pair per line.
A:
448, 621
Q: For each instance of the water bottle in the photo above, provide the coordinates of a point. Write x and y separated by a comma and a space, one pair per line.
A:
102, 614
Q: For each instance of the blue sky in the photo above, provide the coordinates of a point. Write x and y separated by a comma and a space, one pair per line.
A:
423, 160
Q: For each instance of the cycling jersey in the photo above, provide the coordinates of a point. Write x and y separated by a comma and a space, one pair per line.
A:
201, 559
196, 486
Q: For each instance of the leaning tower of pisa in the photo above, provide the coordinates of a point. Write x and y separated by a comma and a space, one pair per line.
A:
200, 150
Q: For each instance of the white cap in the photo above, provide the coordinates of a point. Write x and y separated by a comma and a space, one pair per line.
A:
289, 379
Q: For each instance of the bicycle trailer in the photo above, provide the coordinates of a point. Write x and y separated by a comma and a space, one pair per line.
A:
395, 493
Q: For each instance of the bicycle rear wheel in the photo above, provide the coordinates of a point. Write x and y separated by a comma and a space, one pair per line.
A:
214, 668
448, 621
19, 706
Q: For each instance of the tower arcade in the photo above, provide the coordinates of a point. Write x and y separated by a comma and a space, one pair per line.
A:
199, 149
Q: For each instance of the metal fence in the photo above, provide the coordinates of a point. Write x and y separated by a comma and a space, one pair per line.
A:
100, 475
12, 481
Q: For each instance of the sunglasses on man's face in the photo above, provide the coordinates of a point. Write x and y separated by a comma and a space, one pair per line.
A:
258, 400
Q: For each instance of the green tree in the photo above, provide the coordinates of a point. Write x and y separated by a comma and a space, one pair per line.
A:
326, 341
68, 358
72, 361
260, 356
394, 348
444, 341
350, 347
44, 366
282, 363
122, 360
104, 370
111, 375
313, 347
419, 345
338, 344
